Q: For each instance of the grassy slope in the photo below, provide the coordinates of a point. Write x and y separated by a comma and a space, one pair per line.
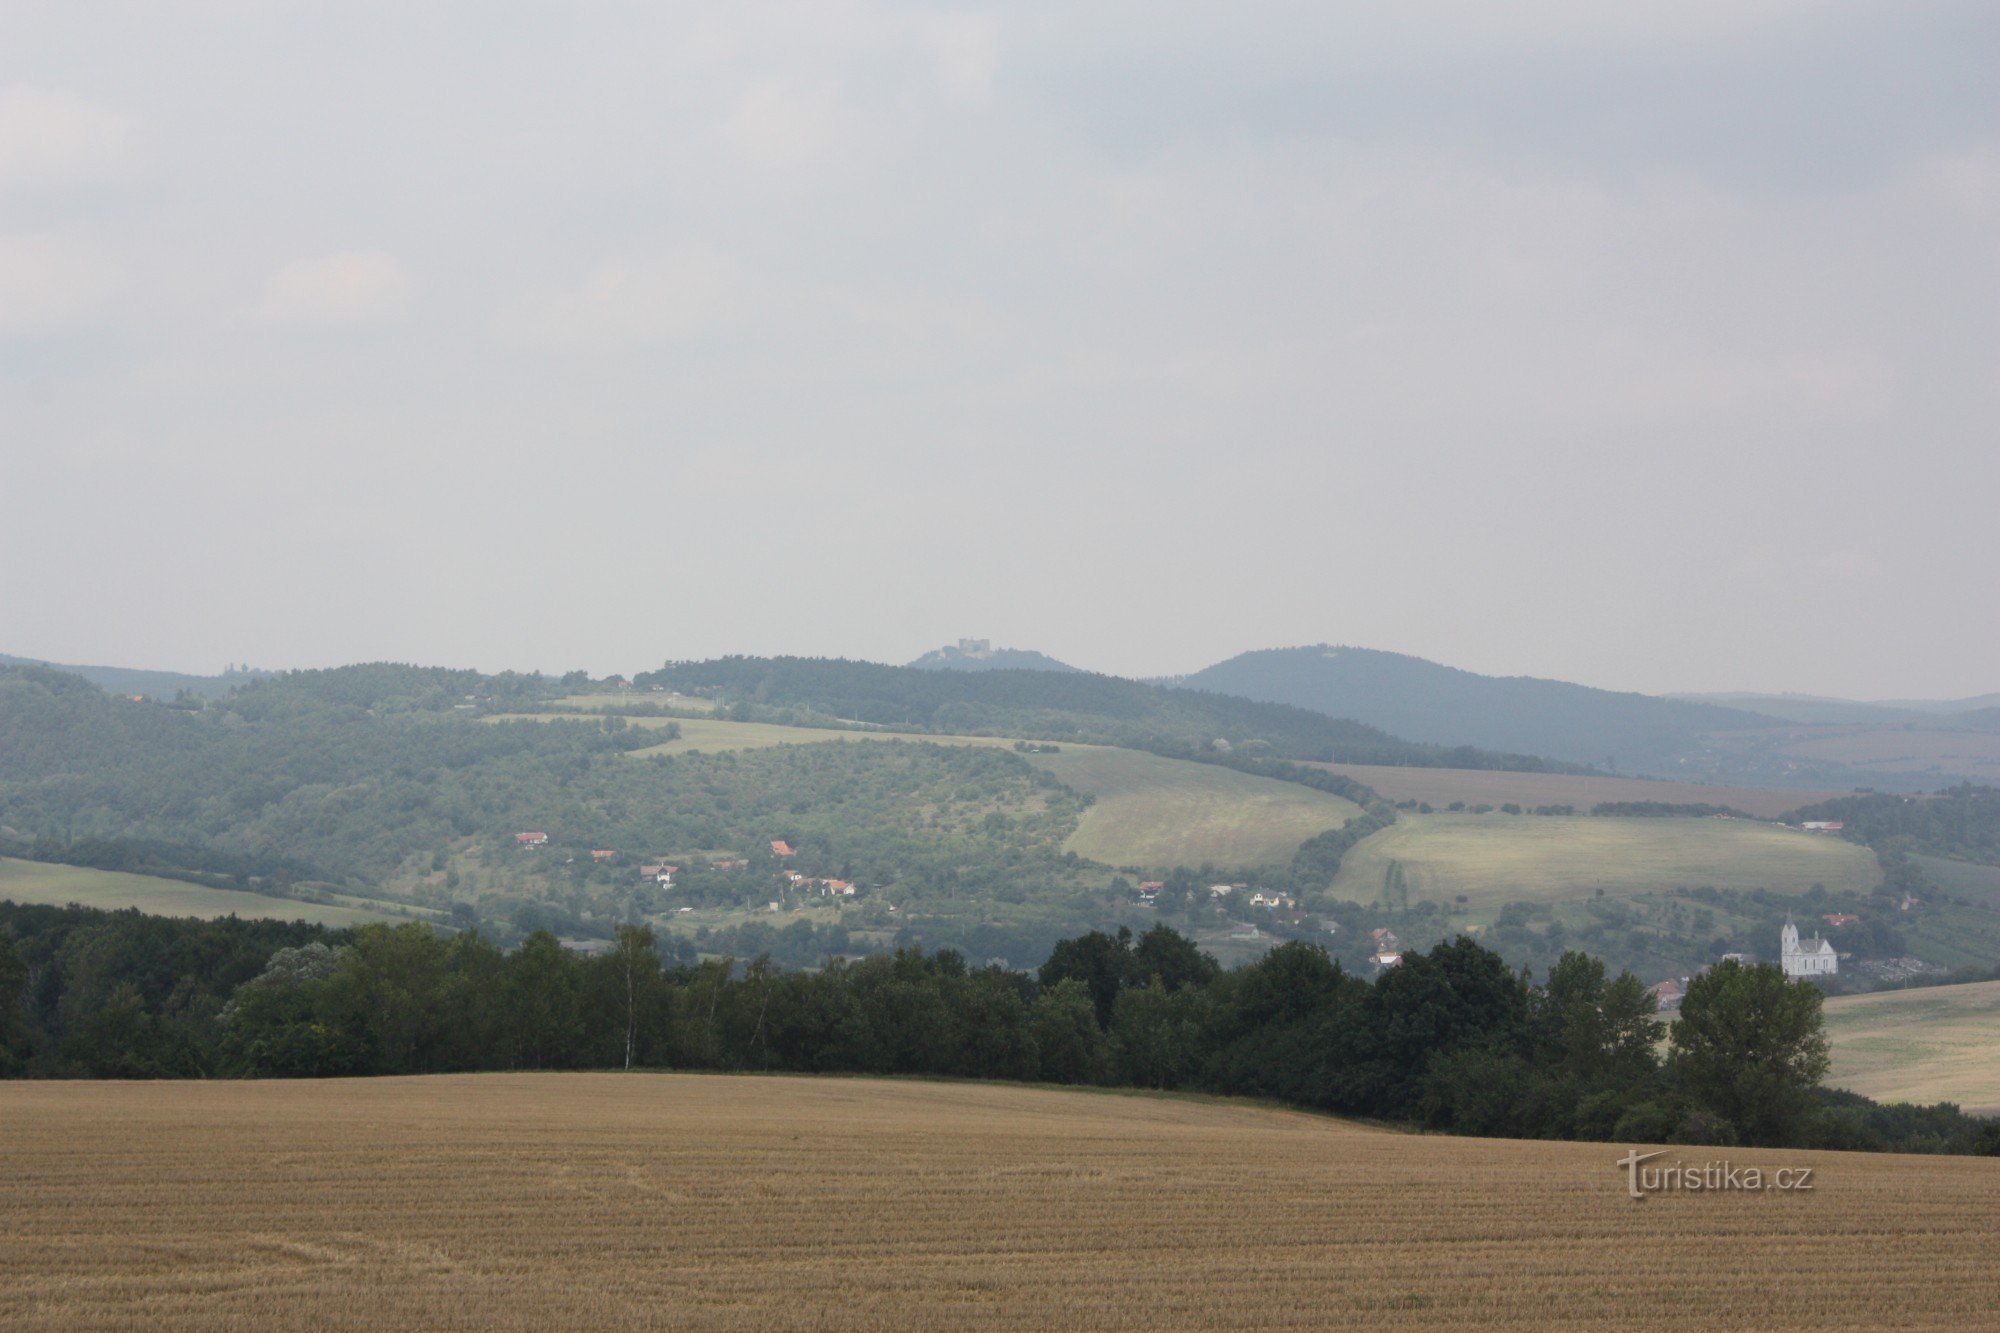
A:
1938, 1043
714, 735
1496, 859
1151, 812
511, 1201
1442, 786
57, 885
1157, 813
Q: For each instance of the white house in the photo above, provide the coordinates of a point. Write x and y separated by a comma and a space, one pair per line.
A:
1813, 958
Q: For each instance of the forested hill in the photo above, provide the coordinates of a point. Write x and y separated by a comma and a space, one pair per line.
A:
1424, 701
137, 680
977, 657
1077, 706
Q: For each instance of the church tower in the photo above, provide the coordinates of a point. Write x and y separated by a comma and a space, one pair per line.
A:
1788, 943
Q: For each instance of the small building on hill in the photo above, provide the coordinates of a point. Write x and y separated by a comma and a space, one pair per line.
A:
780, 848
1807, 958
531, 839
1667, 994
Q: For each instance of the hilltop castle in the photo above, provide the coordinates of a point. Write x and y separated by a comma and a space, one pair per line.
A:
1814, 958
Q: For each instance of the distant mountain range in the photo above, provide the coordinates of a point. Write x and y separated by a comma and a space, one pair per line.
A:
1423, 701
153, 684
981, 655
1814, 708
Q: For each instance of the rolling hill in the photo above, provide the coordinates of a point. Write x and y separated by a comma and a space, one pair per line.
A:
1932, 1044
978, 655
111, 890
138, 680
1440, 705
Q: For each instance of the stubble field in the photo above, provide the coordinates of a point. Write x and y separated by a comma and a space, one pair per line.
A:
685, 1200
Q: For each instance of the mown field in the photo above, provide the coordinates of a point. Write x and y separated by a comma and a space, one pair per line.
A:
1441, 786
1156, 813
1932, 1044
627, 1201
1497, 859
111, 890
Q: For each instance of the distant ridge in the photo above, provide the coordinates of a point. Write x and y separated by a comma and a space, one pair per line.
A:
1425, 701
980, 655
155, 684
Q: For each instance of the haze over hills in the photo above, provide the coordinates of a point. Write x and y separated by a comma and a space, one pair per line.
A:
980, 655
138, 680
1814, 708
1425, 701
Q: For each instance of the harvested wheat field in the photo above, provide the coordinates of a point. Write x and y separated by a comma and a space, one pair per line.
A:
619, 1201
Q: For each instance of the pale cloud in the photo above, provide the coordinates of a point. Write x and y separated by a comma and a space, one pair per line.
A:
779, 125
687, 294
52, 137
353, 288
50, 286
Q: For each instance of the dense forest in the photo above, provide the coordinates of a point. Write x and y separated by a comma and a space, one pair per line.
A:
1452, 1040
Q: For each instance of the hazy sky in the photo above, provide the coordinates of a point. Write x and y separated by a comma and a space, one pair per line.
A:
1655, 346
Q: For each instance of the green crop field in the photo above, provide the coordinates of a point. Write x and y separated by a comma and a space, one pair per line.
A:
1441, 786
1937, 1043
1497, 859
1155, 813
57, 885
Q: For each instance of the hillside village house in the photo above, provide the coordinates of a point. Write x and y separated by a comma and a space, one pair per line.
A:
1812, 958
1149, 890
835, 888
1841, 919
1385, 959
780, 848
599, 854
1667, 994
531, 839
1272, 899
1824, 825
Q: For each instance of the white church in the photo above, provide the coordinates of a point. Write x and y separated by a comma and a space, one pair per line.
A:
1814, 958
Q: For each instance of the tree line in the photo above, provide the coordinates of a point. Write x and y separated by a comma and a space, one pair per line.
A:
1451, 1040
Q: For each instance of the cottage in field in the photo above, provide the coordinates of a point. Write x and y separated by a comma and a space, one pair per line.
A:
1813, 958
531, 839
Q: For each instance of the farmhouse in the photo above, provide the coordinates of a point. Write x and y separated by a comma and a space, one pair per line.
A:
780, 848
835, 888
1815, 958
531, 839
1272, 899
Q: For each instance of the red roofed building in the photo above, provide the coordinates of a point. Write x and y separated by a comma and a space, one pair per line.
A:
780, 848
1841, 919
600, 855
532, 839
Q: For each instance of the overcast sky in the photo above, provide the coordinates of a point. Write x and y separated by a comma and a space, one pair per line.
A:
1655, 346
